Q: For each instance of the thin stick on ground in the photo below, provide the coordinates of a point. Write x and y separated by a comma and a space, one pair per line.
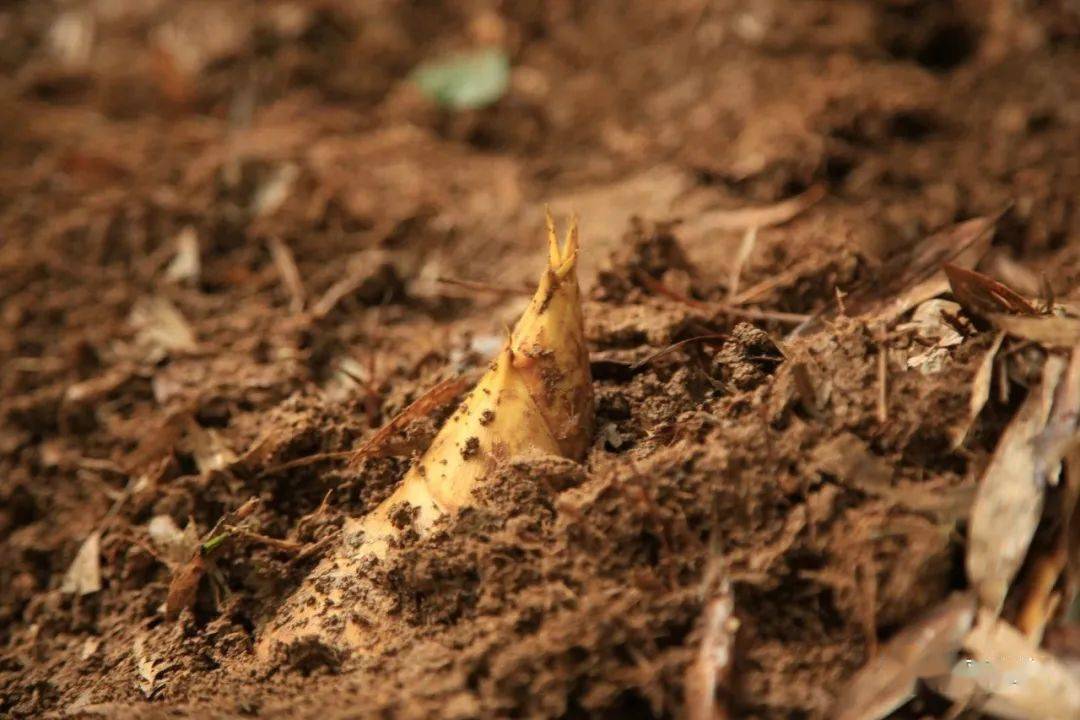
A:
482, 287
746, 247
290, 274
719, 308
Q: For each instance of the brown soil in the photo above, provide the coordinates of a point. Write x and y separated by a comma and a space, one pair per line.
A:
133, 389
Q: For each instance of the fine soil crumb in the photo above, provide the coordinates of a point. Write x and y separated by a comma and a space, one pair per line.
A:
471, 447
746, 358
402, 515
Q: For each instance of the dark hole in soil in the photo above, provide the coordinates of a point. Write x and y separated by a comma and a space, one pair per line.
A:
948, 47
837, 168
912, 125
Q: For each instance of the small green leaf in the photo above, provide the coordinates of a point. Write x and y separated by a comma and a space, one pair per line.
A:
465, 81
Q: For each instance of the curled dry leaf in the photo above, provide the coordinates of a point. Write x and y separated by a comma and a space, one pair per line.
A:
926, 648
83, 576
184, 586
1009, 677
980, 390
984, 295
1048, 330
710, 671
1009, 501
175, 545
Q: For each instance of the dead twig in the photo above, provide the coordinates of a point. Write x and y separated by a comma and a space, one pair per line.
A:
762, 216
709, 674
675, 346
290, 274
746, 247
720, 309
483, 287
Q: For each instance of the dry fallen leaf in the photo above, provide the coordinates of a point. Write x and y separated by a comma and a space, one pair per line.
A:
914, 276
1009, 677
711, 669
1049, 330
984, 295
184, 586
926, 648
175, 545
848, 458
931, 322
160, 327
758, 217
185, 265
83, 576
1009, 500
980, 390
892, 294
146, 666
208, 449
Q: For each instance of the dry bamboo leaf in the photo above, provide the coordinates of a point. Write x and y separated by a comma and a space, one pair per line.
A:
83, 576
1059, 435
984, 295
848, 458
980, 390
915, 276
185, 265
710, 671
1009, 677
1058, 441
160, 326
910, 269
1048, 330
363, 270
1009, 501
759, 217
146, 666
926, 648
1071, 585
275, 190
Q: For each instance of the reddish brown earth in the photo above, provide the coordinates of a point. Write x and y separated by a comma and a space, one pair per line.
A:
273, 129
